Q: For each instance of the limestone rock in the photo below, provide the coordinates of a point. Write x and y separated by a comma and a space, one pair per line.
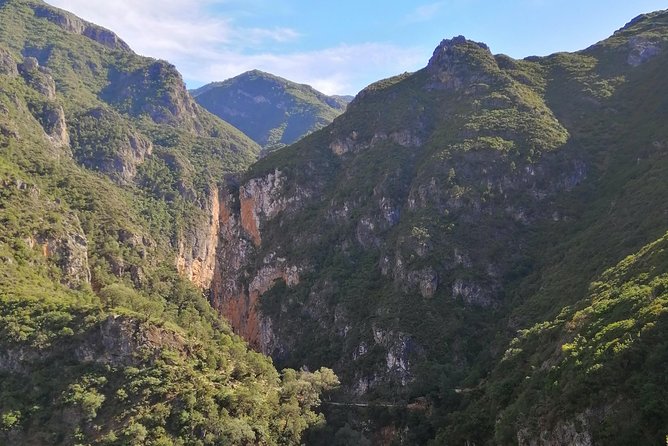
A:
70, 251
38, 77
156, 90
641, 51
400, 352
116, 340
52, 118
117, 151
105, 37
71, 23
472, 293
7, 63
262, 199
426, 280
458, 63
573, 432
198, 245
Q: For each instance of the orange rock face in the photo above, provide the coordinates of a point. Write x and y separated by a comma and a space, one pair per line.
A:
197, 263
243, 310
249, 219
221, 256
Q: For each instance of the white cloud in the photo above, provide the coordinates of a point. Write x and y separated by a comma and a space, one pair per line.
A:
159, 27
208, 47
333, 70
257, 35
424, 13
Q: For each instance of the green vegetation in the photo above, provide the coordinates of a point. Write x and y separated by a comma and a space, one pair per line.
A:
602, 355
272, 111
101, 340
462, 221
104, 374
481, 249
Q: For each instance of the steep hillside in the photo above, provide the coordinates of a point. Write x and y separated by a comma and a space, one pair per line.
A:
407, 243
271, 110
594, 374
477, 249
109, 202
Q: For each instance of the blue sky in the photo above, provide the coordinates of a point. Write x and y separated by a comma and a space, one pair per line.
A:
340, 47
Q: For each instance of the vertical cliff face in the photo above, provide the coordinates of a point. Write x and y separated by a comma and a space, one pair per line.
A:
384, 212
240, 277
442, 212
196, 259
73, 24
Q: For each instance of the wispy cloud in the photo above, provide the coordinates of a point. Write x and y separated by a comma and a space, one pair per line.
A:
153, 26
258, 35
332, 70
424, 13
208, 46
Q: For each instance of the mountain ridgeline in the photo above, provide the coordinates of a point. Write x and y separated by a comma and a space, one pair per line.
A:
272, 111
474, 248
477, 249
109, 179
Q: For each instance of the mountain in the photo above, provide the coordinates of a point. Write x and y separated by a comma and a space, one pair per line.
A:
478, 250
475, 248
110, 178
272, 111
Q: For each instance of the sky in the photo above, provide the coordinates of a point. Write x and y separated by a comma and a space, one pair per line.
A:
341, 46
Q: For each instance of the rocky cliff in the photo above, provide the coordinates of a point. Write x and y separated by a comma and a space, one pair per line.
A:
477, 248
446, 209
110, 210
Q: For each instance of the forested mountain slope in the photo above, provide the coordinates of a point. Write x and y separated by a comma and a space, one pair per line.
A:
477, 249
109, 180
408, 243
273, 111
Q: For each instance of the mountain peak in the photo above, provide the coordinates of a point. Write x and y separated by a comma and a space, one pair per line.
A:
270, 109
448, 50
458, 41
459, 61
256, 72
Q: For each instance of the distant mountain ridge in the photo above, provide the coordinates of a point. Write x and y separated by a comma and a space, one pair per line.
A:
478, 249
271, 110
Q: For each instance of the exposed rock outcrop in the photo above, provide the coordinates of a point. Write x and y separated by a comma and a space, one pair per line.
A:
47, 111
71, 23
198, 246
262, 199
156, 90
574, 433
243, 310
458, 63
354, 142
68, 249
117, 341
52, 118
114, 341
38, 77
234, 292
117, 150
641, 51
8, 65
64, 243
346, 144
